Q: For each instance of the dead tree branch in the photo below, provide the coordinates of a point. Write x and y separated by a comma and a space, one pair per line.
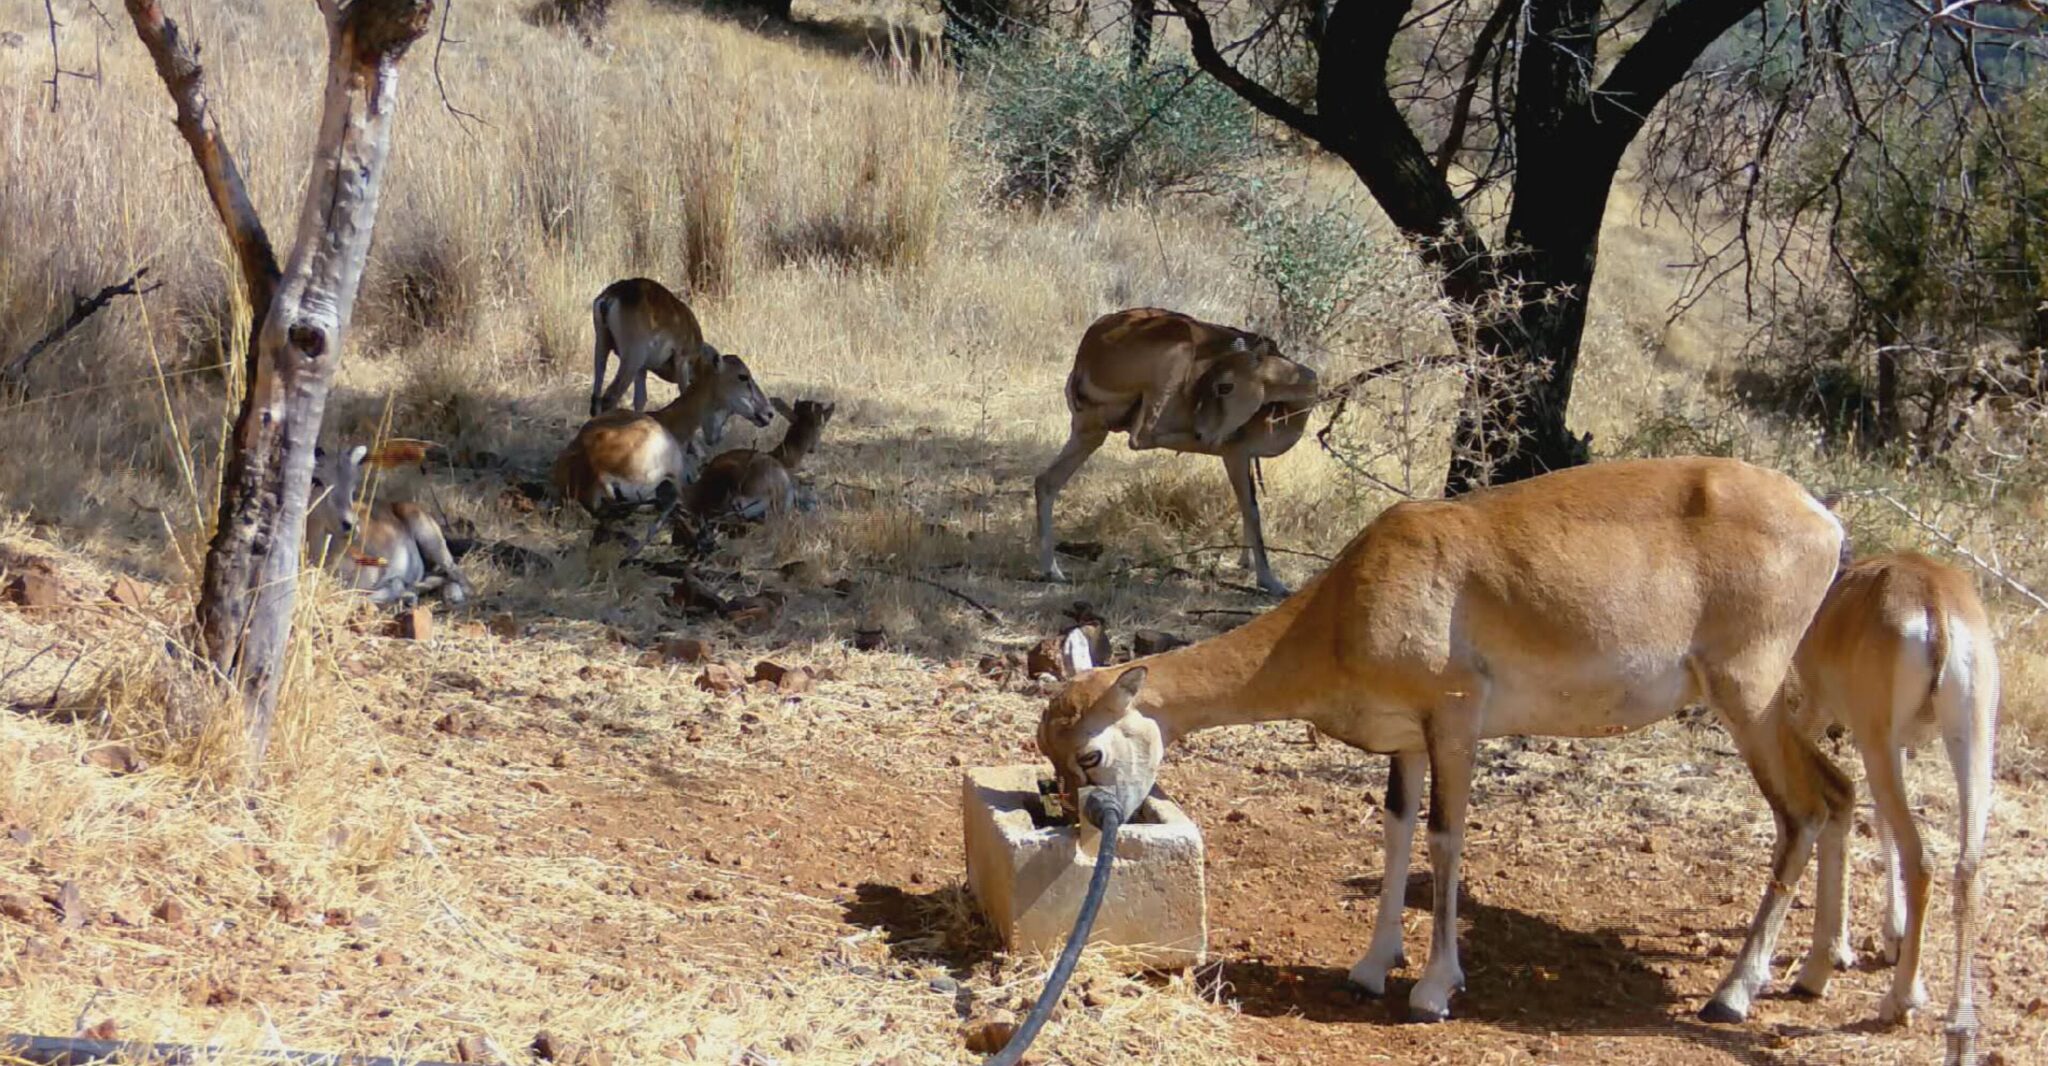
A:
1955, 545
441, 39
83, 308
177, 63
250, 585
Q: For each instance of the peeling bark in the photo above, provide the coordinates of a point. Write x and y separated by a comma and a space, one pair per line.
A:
251, 581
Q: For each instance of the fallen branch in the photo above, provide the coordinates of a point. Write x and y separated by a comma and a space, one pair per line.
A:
59, 1051
986, 611
82, 309
1953, 544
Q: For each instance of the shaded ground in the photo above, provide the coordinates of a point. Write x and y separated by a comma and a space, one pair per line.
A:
603, 840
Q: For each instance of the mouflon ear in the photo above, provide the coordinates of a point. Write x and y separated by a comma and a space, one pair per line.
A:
1130, 681
782, 407
1115, 703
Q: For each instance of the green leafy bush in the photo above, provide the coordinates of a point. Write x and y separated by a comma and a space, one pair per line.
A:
1319, 264
1057, 121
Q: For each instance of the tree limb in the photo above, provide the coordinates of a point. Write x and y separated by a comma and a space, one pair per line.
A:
177, 63
1475, 71
1656, 63
1202, 40
85, 307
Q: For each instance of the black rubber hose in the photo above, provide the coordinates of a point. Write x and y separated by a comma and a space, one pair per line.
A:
1101, 809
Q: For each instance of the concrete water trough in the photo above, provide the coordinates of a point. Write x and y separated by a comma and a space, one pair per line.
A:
1028, 865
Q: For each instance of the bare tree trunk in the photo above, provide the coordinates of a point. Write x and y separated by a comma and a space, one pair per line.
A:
1526, 300
251, 580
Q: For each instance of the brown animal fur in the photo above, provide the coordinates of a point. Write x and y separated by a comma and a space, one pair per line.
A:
651, 329
1902, 650
752, 484
1587, 602
1175, 382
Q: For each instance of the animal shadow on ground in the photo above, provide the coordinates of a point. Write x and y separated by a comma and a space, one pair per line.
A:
939, 927
1523, 973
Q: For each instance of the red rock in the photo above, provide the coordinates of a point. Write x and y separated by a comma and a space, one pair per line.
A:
19, 907
38, 591
1044, 659
788, 680
107, 1029
169, 912
505, 626
117, 759
987, 1038
416, 624
128, 592
683, 650
721, 679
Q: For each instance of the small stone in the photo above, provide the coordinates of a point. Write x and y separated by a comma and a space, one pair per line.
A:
21, 836
390, 958
545, 1048
708, 893
1043, 660
472, 1049
721, 679
788, 680
169, 912
870, 639
1154, 641
560, 760
505, 626
1647, 845
1237, 816
117, 759
107, 1029
797, 1043
944, 986
36, 590
987, 1038
128, 592
18, 907
683, 650
70, 904
416, 624
452, 723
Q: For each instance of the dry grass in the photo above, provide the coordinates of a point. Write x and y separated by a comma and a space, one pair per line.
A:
818, 211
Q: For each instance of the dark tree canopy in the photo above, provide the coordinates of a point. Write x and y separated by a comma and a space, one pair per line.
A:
1490, 132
